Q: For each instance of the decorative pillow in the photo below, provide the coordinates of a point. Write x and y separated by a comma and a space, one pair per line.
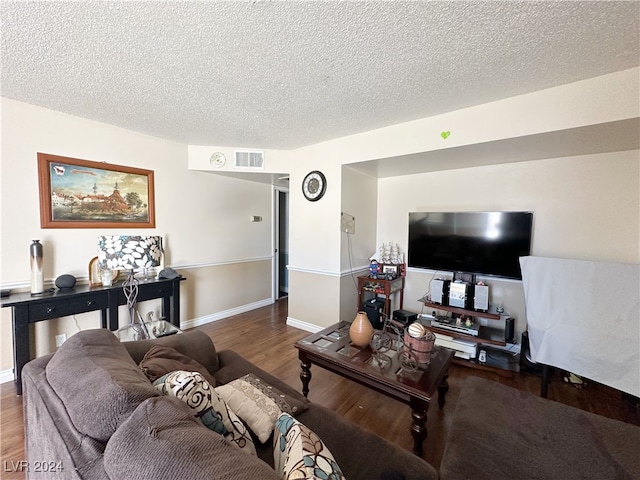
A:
213, 412
298, 453
258, 403
161, 359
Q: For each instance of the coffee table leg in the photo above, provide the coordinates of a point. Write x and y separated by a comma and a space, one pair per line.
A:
443, 388
418, 424
305, 376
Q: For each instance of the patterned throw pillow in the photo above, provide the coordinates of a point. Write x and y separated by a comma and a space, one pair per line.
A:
258, 403
197, 393
298, 453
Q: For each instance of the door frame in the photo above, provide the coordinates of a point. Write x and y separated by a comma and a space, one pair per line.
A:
277, 218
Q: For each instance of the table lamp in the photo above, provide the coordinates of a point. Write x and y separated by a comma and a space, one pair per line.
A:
130, 253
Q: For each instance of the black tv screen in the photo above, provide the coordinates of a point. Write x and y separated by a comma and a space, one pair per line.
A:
481, 243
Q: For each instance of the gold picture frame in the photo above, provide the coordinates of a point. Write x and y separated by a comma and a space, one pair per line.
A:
78, 193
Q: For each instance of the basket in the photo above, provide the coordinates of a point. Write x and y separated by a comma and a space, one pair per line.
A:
420, 347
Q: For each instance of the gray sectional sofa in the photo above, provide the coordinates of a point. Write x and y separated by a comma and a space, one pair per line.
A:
92, 412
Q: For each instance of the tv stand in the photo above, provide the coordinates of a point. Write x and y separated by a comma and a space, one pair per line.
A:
497, 360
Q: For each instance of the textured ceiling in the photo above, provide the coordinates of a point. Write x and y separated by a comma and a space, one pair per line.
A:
287, 74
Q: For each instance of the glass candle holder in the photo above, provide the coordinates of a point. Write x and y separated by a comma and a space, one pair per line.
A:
107, 277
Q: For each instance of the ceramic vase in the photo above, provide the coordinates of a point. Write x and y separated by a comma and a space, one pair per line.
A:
361, 330
37, 273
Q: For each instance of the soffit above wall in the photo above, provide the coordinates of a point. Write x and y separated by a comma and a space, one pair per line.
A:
276, 179
288, 74
606, 137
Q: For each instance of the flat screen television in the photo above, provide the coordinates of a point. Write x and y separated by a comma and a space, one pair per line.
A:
478, 243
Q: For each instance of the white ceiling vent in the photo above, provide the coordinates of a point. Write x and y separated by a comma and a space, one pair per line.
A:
249, 159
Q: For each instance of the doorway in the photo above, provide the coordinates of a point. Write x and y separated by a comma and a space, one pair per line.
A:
281, 243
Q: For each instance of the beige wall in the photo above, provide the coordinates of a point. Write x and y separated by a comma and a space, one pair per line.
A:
585, 207
566, 187
203, 218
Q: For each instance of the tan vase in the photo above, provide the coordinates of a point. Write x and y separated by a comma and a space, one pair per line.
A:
361, 330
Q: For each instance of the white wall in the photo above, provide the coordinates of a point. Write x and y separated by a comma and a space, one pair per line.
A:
359, 199
203, 218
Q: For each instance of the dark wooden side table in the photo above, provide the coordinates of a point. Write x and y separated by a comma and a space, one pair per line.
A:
381, 287
332, 350
81, 299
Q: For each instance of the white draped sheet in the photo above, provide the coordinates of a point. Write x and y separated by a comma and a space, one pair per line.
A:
584, 317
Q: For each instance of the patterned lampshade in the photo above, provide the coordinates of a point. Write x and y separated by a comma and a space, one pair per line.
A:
133, 252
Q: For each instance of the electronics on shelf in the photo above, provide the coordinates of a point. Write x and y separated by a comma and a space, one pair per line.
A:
457, 344
454, 327
481, 297
439, 289
459, 294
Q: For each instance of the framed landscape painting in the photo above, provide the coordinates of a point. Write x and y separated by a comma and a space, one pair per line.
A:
85, 194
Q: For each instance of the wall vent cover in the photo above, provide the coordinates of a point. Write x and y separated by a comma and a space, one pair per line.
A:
249, 159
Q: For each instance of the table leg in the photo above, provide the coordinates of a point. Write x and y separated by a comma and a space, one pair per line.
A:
544, 381
103, 318
305, 376
443, 388
418, 424
21, 353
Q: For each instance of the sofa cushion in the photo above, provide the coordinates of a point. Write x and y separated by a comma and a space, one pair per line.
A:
233, 366
300, 454
499, 432
258, 403
162, 440
93, 373
162, 359
193, 343
213, 412
362, 454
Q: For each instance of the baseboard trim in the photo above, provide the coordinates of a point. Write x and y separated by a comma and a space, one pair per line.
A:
307, 327
214, 317
7, 376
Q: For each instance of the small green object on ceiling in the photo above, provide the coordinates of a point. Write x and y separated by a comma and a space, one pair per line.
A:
445, 135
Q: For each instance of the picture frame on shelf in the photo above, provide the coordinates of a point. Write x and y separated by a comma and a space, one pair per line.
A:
95, 274
77, 193
390, 270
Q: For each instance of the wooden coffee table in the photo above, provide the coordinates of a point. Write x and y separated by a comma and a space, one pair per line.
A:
332, 349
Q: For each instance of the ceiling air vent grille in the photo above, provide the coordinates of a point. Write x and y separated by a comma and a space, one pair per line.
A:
249, 159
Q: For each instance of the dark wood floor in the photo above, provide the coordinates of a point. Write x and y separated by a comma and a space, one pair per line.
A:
263, 337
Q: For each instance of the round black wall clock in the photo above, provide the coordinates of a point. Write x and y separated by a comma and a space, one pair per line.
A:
314, 185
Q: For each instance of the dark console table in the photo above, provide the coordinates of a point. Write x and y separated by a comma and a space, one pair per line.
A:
81, 299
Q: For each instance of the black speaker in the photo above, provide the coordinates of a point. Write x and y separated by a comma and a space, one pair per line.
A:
66, 281
405, 317
509, 330
374, 308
